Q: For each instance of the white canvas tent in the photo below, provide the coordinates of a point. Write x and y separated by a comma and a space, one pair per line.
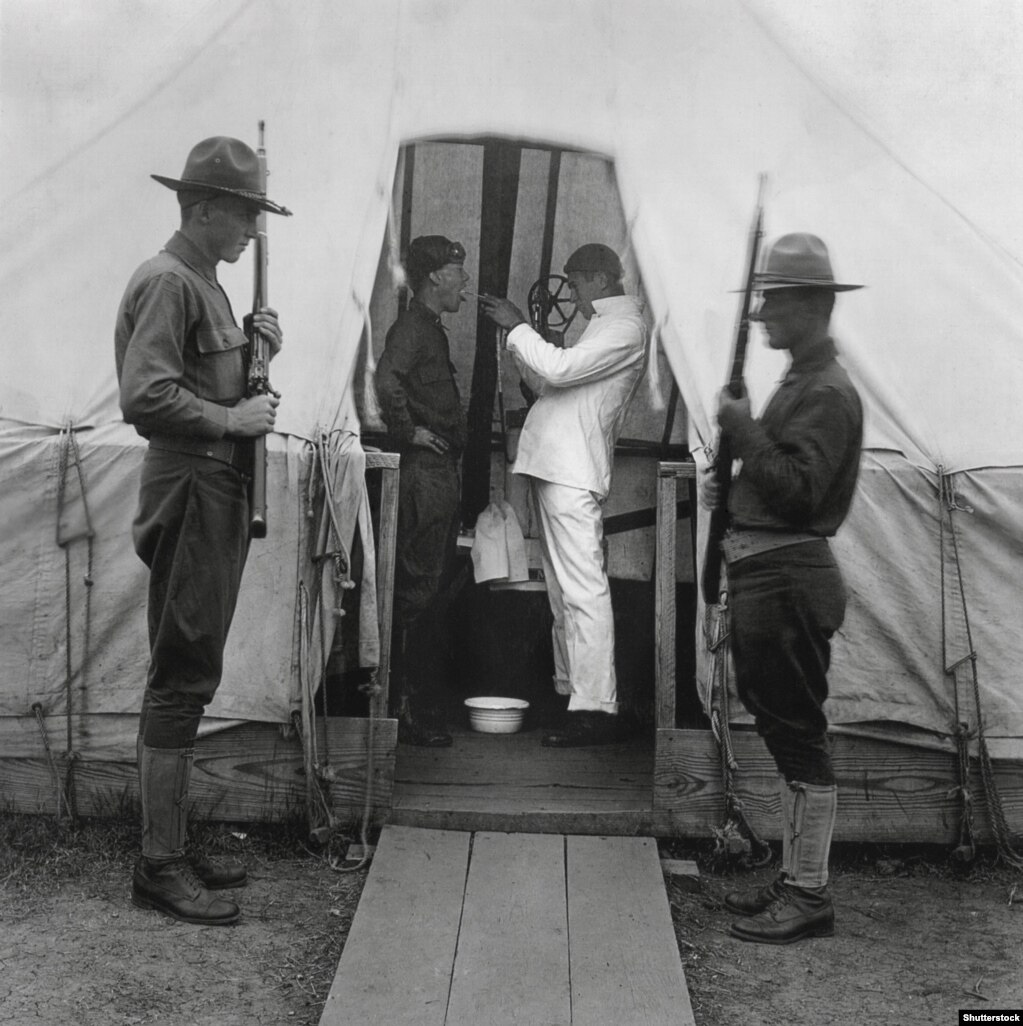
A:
689, 102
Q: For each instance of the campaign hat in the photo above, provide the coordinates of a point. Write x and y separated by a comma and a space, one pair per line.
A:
798, 260
225, 166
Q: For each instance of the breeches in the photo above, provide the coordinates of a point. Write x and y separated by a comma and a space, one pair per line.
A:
786, 604
572, 547
192, 531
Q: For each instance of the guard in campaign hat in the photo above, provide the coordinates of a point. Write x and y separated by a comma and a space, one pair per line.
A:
226, 166
182, 367
798, 260
799, 464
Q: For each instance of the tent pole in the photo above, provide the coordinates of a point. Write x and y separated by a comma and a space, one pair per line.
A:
501, 168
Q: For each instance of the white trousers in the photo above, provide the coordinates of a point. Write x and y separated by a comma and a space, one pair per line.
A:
571, 532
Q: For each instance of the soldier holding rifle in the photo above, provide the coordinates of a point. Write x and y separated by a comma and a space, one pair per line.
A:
182, 368
800, 461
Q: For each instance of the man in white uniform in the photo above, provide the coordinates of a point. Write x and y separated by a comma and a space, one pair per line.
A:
567, 451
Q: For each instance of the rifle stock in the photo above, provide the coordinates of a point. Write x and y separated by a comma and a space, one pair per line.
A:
259, 360
710, 578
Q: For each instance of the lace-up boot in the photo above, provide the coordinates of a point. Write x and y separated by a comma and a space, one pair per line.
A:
164, 878
803, 906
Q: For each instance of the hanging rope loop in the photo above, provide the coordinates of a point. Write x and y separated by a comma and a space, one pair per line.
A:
950, 504
735, 837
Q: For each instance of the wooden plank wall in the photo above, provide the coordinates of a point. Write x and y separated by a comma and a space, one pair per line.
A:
886, 792
250, 773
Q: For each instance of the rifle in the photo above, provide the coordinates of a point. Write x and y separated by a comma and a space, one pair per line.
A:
710, 581
259, 358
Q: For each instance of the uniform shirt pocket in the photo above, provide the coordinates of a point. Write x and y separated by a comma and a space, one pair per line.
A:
221, 363
436, 383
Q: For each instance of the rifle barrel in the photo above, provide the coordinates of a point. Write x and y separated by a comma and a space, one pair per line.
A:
710, 578
259, 379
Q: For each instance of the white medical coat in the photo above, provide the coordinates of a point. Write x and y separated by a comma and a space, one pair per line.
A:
570, 432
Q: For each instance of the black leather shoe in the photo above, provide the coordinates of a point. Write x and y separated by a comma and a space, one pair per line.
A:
796, 913
751, 903
422, 737
216, 876
586, 728
174, 889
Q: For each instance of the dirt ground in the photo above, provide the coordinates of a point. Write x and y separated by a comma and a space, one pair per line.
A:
915, 941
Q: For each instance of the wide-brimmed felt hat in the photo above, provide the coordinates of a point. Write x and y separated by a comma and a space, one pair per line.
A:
223, 165
798, 260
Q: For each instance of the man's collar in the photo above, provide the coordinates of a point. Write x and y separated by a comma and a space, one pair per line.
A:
602, 307
419, 308
181, 246
814, 357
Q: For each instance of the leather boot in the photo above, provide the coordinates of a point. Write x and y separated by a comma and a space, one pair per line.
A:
164, 878
796, 913
214, 876
803, 907
752, 902
174, 889
218, 876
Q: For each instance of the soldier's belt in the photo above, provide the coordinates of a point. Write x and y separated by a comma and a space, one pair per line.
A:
235, 453
741, 544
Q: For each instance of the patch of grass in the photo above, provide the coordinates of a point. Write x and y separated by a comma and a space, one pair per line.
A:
848, 857
36, 847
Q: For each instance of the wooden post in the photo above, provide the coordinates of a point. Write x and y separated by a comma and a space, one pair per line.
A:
501, 166
668, 475
388, 464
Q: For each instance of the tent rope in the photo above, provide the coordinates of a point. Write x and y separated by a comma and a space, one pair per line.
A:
736, 836
1006, 851
70, 455
319, 813
319, 773
342, 564
37, 708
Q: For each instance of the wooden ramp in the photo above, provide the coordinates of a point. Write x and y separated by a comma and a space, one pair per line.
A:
487, 929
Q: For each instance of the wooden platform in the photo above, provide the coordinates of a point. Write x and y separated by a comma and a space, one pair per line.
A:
671, 786
666, 784
460, 929
509, 782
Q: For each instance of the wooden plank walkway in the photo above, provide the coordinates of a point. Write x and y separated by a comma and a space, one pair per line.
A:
493, 929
